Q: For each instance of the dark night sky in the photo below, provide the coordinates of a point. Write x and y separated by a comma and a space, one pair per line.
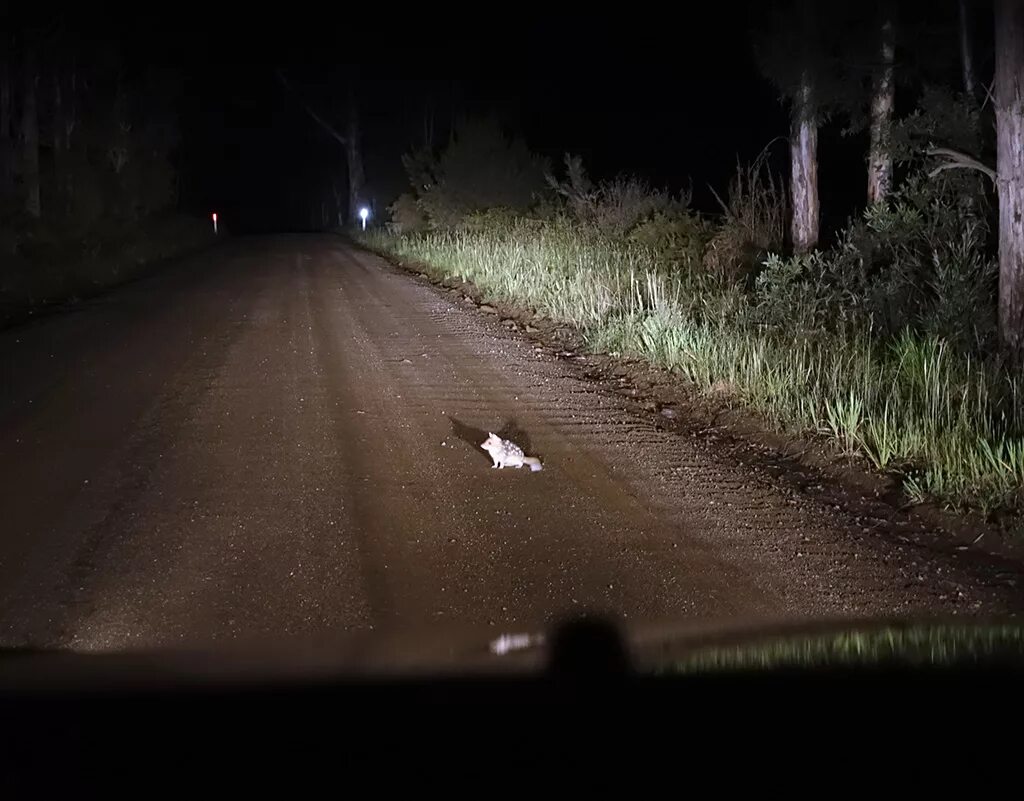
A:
670, 102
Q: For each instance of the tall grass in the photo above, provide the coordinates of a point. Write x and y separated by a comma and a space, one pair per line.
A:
951, 427
883, 646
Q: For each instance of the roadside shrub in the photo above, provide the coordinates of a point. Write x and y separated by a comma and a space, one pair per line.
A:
617, 206
406, 215
753, 222
676, 239
481, 168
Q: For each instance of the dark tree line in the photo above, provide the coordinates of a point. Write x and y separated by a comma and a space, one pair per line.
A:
86, 136
843, 60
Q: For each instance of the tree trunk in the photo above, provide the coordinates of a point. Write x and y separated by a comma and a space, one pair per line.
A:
1009, 106
60, 166
966, 53
339, 209
803, 145
428, 125
6, 131
883, 101
354, 151
68, 124
803, 149
58, 112
30, 138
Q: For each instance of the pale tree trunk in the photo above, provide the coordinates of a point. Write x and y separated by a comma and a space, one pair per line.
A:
803, 149
1009, 107
966, 52
883, 101
803, 146
30, 138
356, 178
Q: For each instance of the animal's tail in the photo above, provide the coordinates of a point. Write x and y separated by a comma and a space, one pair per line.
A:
534, 463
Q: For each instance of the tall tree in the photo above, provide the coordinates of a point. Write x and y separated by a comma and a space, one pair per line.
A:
803, 141
966, 51
7, 148
1009, 108
791, 53
351, 142
339, 207
353, 150
67, 121
30, 134
59, 155
63, 88
883, 101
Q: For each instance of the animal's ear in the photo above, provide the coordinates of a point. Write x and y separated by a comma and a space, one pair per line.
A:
489, 434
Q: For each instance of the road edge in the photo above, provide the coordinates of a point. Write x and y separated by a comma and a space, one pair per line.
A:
697, 415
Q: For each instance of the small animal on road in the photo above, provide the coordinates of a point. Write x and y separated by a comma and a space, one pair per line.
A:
508, 454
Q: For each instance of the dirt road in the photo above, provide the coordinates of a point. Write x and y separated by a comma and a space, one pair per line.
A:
281, 436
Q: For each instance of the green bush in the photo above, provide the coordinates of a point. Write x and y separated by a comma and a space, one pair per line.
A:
406, 215
615, 207
481, 168
677, 239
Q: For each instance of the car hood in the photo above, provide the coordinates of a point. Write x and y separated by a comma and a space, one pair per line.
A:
582, 646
